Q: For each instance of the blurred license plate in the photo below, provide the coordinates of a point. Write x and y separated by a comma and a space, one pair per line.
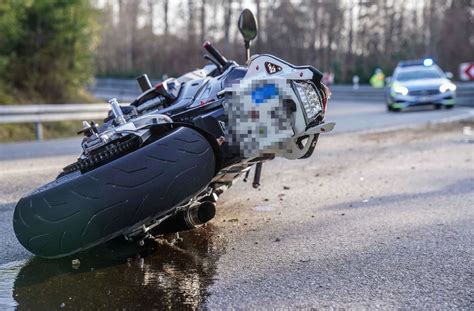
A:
424, 98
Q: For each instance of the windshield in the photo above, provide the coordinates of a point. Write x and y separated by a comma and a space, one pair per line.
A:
418, 74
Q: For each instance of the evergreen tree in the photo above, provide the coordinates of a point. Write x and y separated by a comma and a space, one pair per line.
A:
46, 49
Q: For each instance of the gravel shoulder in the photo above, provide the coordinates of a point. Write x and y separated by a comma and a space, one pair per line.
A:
374, 220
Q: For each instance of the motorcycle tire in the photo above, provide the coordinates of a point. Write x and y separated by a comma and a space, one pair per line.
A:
81, 210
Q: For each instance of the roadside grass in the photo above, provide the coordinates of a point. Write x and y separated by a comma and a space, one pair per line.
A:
26, 131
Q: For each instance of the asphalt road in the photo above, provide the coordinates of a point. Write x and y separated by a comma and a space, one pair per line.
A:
349, 116
373, 220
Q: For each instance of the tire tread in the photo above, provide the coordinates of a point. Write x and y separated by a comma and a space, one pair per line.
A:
81, 212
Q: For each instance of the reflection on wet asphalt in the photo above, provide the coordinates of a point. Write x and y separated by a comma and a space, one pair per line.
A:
159, 275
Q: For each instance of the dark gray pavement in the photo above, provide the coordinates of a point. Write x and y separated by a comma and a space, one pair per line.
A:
372, 220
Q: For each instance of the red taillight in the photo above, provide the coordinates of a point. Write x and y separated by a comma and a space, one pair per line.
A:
326, 96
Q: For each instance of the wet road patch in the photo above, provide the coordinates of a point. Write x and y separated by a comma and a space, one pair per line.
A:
159, 275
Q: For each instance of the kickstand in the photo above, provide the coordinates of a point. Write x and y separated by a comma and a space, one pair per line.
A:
247, 175
258, 173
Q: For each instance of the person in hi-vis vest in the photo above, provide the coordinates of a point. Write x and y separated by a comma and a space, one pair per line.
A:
378, 79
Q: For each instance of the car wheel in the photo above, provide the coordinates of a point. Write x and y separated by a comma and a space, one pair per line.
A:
449, 106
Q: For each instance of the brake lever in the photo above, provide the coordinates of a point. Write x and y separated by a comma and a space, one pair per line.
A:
212, 60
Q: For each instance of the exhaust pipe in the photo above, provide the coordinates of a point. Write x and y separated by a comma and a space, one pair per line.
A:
187, 219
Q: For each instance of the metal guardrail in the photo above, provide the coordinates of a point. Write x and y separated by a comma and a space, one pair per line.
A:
464, 93
38, 114
127, 90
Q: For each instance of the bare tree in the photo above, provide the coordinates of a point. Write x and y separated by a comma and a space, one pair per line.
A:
227, 8
166, 17
203, 21
345, 37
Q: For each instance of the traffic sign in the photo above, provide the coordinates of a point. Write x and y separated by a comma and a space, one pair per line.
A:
466, 71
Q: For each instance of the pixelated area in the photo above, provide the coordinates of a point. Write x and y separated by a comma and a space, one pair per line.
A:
260, 117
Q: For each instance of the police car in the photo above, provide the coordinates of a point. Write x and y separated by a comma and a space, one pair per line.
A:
419, 83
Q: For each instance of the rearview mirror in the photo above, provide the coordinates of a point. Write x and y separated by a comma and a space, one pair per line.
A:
247, 25
449, 75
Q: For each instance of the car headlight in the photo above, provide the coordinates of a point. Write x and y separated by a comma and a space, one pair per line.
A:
400, 90
309, 98
447, 87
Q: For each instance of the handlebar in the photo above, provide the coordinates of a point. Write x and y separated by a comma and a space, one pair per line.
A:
216, 54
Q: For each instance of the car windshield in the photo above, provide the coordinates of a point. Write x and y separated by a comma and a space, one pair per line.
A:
418, 74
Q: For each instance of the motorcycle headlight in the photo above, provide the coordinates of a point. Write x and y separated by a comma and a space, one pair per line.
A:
309, 98
447, 87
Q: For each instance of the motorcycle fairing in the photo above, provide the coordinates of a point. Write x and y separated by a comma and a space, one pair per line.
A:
258, 121
265, 113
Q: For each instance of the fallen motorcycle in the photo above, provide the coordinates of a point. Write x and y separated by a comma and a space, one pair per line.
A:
159, 164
